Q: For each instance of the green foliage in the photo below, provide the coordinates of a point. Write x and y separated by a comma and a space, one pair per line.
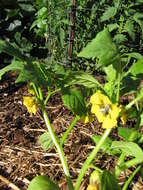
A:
74, 100
46, 141
42, 183
108, 181
102, 48
129, 148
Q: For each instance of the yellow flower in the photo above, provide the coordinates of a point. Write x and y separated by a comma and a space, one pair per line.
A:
106, 112
92, 187
87, 118
30, 104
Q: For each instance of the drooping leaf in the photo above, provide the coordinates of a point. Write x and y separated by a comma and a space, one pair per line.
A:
110, 12
129, 148
137, 67
14, 66
102, 48
6, 47
74, 100
42, 183
108, 181
46, 141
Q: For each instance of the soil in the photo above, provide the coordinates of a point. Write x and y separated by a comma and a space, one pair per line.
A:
21, 155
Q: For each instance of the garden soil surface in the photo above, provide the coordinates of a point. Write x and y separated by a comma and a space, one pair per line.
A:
21, 155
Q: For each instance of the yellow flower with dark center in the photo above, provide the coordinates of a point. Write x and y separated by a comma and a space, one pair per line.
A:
30, 104
105, 111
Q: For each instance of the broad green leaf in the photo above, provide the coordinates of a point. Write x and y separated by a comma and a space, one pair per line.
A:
102, 48
14, 66
137, 67
46, 141
27, 7
129, 148
82, 78
106, 145
110, 12
129, 28
6, 47
74, 100
34, 72
42, 183
109, 182
128, 134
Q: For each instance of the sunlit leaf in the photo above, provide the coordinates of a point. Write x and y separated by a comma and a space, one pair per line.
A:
42, 183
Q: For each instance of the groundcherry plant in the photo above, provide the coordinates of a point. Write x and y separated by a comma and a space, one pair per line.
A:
88, 99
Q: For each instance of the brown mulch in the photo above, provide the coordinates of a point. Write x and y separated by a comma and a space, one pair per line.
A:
21, 156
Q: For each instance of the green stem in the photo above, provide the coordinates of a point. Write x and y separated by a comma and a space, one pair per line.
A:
59, 149
40, 93
65, 135
134, 102
90, 158
120, 161
35, 90
131, 178
49, 95
118, 85
132, 162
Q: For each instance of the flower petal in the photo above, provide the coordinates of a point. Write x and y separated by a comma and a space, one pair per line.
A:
30, 104
95, 109
109, 123
114, 111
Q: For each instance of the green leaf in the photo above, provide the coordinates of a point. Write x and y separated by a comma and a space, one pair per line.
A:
128, 134
82, 78
137, 67
120, 38
129, 148
42, 183
106, 146
129, 28
74, 100
6, 47
102, 48
109, 182
110, 73
14, 66
138, 19
46, 141
110, 12
112, 27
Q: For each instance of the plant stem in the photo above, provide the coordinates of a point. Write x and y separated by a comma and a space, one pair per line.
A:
90, 158
40, 93
65, 135
134, 101
118, 83
130, 178
120, 161
59, 149
132, 162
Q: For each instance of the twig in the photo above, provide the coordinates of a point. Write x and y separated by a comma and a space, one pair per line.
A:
10, 184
